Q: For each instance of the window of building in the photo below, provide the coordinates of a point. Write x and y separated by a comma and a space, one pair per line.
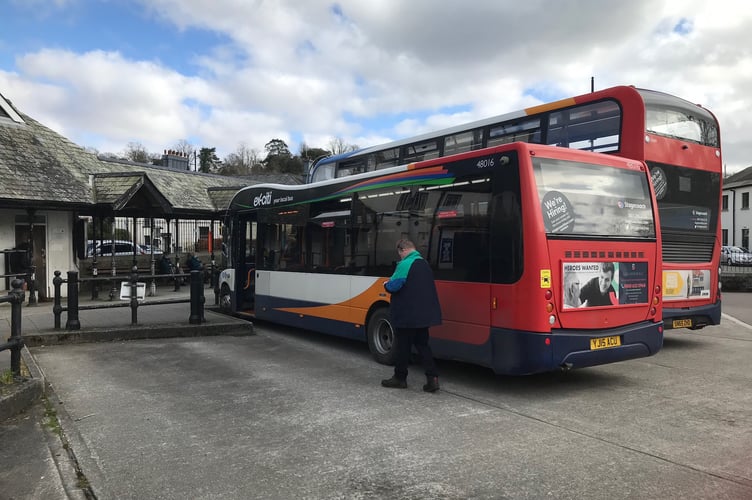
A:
724, 237
725, 203
8, 113
745, 237
745, 201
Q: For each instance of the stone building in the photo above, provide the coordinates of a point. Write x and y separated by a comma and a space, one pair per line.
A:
53, 192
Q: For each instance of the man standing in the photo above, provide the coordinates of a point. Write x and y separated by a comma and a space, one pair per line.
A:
414, 308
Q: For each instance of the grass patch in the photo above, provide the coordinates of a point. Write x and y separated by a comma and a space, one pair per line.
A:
6, 377
50, 418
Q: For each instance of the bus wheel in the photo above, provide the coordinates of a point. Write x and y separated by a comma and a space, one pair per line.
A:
225, 299
381, 337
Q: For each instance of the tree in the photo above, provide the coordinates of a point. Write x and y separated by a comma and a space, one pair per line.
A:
241, 162
278, 156
233, 165
277, 147
311, 154
184, 147
337, 146
289, 165
136, 152
208, 160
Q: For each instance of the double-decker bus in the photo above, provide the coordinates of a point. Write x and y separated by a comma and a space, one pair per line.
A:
519, 238
678, 140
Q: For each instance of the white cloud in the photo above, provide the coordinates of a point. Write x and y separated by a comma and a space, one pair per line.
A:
314, 69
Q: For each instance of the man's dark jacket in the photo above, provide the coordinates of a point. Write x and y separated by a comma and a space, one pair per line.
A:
415, 304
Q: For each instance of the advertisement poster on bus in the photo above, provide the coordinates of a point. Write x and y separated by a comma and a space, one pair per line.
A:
596, 284
686, 284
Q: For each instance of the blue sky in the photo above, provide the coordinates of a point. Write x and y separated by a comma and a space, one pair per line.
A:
231, 74
115, 25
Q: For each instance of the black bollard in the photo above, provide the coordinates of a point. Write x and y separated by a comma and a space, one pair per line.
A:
197, 298
17, 298
57, 308
72, 323
134, 295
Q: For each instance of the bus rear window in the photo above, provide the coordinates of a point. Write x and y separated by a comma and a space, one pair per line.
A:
680, 124
673, 117
582, 199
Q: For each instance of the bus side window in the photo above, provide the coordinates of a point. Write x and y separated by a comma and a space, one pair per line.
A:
506, 238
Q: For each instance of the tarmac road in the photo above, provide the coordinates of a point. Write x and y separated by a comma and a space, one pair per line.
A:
290, 414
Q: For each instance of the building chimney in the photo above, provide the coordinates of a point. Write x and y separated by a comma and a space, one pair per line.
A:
175, 160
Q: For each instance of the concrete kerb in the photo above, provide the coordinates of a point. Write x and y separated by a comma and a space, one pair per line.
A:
137, 333
24, 394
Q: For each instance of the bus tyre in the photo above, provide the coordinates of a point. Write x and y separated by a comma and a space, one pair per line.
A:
225, 299
381, 337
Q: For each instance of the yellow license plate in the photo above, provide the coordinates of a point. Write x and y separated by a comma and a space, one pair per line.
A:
604, 342
682, 323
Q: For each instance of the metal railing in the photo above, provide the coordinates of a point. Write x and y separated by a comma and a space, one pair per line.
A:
73, 307
15, 343
29, 278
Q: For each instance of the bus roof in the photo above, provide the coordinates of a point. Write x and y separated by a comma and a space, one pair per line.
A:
474, 124
276, 195
624, 91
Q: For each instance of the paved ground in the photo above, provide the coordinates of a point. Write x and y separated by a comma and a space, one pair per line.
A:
33, 461
283, 414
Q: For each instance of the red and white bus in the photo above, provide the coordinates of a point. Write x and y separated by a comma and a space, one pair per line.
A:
516, 236
678, 140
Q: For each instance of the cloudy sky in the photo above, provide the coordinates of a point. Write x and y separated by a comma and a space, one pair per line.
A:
222, 73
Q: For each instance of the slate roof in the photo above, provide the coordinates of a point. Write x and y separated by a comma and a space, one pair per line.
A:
186, 192
742, 178
41, 169
38, 165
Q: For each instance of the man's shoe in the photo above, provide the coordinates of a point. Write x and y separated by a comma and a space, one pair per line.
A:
432, 384
394, 383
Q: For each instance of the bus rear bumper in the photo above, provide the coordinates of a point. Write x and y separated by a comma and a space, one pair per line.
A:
699, 316
524, 353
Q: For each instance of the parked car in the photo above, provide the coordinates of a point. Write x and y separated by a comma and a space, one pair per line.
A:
103, 248
735, 256
147, 250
